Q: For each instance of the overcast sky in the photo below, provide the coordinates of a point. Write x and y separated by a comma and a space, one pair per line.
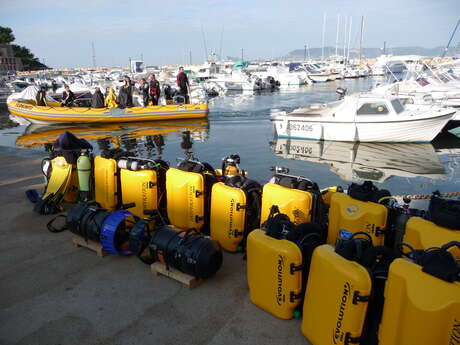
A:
61, 32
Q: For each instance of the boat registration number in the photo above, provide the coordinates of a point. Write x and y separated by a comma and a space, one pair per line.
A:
24, 106
300, 127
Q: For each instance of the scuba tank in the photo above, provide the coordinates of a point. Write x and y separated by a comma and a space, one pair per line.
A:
84, 176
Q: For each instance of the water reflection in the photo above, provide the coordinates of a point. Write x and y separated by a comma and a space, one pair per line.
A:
368, 161
143, 139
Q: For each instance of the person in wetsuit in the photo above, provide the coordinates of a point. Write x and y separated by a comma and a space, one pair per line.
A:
97, 100
125, 96
144, 90
68, 97
154, 89
41, 97
183, 84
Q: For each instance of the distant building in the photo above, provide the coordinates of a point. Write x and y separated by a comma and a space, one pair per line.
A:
8, 63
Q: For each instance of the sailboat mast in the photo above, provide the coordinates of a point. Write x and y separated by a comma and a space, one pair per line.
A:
337, 36
324, 29
349, 38
361, 40
345, 37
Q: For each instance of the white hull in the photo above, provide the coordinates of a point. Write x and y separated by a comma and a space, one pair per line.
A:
422, 129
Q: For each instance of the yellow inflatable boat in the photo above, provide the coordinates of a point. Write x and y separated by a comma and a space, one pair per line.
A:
54, 113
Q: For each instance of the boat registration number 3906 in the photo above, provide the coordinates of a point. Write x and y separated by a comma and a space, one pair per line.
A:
300, 127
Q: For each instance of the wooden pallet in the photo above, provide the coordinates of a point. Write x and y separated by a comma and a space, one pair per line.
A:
186, 280
79, 241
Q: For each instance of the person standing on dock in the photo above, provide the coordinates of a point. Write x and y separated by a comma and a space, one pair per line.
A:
154, 89
41, 97
68, 97
183, 84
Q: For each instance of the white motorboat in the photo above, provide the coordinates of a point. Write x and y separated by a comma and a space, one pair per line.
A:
364, 117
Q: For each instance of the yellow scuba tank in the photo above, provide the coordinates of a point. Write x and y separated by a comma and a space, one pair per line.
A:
295, 196
423, 234
106, 182
358, 212
422, 303
143, 183
278, 259
188, 194
235, 211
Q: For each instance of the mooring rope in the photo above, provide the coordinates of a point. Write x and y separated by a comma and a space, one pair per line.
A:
427, 196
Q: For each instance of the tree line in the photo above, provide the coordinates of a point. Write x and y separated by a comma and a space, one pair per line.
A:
29, 61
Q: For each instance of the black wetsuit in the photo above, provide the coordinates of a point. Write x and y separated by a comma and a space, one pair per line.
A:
97, 101
125, 97
144, 89
182, 82
154, 90
41, 98
67, 99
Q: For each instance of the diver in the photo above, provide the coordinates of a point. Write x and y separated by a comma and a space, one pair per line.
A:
97, 101
68, 97
183, 84
41, 97
144, 90
125, 96
110, 98
154, 89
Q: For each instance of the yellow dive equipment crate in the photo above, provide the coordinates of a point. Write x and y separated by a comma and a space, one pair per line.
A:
275, 282
185, 199
296, 204
419, 309
346, 213
140, 188
424, 234
336, 298
106, 182
228, 215
235, 211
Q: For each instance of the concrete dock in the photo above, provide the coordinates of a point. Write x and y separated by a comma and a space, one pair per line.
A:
53, 293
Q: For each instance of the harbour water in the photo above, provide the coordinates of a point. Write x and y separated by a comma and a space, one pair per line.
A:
239, 123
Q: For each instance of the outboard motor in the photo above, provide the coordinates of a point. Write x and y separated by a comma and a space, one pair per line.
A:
341, 91
169, 93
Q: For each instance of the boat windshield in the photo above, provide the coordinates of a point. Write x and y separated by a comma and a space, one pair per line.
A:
373, 109
398, 107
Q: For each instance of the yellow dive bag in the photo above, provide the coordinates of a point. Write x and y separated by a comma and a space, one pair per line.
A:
422, 303
296, 196
278, 258
235, 211
106, 182
188, 193
423, 234
143, 182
